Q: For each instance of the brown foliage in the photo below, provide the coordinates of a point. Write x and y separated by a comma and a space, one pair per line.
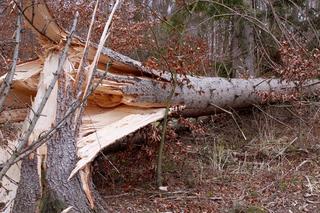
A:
299, 63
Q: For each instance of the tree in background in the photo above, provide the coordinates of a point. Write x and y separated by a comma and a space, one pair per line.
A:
233, 37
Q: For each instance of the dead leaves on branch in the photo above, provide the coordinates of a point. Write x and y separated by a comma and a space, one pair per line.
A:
298, 63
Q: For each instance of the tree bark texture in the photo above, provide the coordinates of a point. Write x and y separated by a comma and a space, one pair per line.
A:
129, 97
242, 48
29, 190
62, 158
199, 95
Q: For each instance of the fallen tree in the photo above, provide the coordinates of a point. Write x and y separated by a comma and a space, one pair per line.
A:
128, 96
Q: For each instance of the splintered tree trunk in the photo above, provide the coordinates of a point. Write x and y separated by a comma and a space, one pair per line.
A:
62, 157
129, 97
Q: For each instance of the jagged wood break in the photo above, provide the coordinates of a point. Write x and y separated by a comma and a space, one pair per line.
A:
130, 96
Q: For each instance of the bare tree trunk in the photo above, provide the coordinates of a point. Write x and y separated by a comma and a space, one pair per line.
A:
243, 48
61, 160
29, 192
129, 88
62, 157
199, 95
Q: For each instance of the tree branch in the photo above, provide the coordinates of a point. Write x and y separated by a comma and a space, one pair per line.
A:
6, 85
23, 140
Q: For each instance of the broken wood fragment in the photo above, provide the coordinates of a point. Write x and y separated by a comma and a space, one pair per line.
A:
128, 98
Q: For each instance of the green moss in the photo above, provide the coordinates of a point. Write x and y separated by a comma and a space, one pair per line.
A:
169, 166
283, 185
255, 209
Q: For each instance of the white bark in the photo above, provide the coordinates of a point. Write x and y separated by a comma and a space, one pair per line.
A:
199, 95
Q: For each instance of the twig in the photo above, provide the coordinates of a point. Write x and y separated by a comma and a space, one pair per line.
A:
285, 148
103, 39
6, 85
234, 119
67, 209
165, 119
302, 163
270, 116
22, 141
80, 72
163, 134
309, 185
116, 196
85, 50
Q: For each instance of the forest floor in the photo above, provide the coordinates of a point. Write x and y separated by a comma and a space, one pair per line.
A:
266, 159
261, 160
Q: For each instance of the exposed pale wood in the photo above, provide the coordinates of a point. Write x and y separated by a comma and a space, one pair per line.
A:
48, 115
97, 132
131, 96
42, 22
9, 183
103, 39
85, 175
62, 155
199, 95
26, 75
38, 16
45, 121
24, 84
25, 135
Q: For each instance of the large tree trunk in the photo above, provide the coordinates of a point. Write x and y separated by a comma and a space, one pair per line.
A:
243, 46
198, 95
128, 98
62, 158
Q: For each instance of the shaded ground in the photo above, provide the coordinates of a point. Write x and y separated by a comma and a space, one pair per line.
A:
214, 169
210, 167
